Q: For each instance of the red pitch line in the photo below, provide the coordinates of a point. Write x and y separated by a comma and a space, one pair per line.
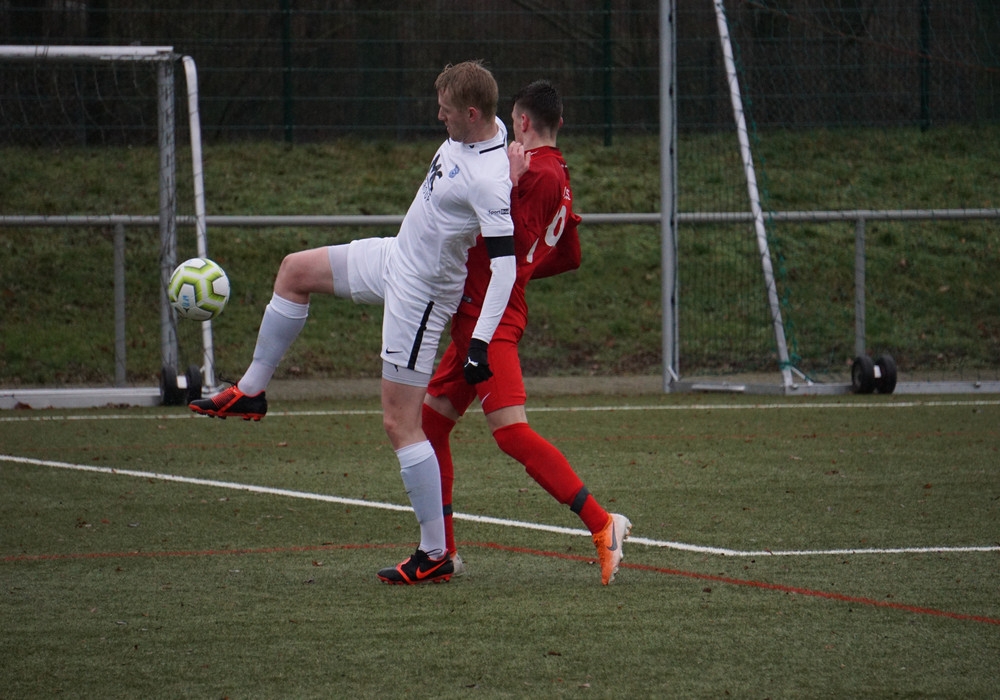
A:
829, 595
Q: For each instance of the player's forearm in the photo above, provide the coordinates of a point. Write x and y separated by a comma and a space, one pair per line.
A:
503, 271
566, 255
562, 259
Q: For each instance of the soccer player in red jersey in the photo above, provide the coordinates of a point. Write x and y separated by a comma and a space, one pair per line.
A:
546, 243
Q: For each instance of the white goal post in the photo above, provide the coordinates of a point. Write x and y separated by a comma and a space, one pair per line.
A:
174, 385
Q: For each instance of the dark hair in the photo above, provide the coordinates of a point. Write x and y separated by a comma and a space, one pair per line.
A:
541, 101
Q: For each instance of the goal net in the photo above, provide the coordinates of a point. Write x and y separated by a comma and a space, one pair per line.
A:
872, 131
72, 277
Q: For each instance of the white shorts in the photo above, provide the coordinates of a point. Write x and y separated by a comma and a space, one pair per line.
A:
411, 325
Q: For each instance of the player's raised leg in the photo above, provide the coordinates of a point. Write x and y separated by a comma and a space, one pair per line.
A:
300, 275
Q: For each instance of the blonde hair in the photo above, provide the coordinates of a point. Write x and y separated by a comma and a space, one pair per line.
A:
470, 84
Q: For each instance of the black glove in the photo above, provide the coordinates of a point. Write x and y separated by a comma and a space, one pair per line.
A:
477, 369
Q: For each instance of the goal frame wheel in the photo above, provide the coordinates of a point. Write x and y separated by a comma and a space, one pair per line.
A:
863, 375
885, 374
180, 390
170, 393
194, 383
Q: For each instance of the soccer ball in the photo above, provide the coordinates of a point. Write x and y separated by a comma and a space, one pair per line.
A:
198, 289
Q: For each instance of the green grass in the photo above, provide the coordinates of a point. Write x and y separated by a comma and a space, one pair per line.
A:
931, 291
122, 585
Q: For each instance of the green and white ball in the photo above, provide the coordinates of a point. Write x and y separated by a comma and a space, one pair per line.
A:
198, 289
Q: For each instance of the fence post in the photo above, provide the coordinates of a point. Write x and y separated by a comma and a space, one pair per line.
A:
119, 295
288, 92
925, 65
668, 192
859, 288
608, 74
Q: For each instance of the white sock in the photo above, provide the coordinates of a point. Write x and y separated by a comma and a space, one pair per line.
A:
283, 321
422, 478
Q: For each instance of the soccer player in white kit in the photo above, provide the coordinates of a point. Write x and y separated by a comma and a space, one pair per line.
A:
418, 276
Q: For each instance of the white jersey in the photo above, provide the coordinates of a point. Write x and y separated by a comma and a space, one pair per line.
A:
466, 191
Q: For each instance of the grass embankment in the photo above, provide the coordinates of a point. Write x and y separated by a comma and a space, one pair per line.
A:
931, 286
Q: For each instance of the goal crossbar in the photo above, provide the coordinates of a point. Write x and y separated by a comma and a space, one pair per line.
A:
87, 53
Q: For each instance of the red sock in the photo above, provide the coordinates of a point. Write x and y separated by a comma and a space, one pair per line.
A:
553, 472
437, 428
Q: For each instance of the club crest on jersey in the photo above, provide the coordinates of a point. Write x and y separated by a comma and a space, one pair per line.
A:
432, 174
454, 172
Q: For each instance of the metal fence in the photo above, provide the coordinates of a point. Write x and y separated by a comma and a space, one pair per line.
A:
315, 70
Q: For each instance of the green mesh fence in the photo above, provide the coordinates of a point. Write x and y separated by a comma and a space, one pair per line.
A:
852, 105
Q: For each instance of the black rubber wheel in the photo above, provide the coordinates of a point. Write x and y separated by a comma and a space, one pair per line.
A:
886, 382
170, 394
863, 375
193, 383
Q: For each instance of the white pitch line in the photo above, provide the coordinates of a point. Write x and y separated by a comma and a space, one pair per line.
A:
530, 409
203, 482
250, 488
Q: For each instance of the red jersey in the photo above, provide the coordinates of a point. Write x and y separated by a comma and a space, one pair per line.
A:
544, 221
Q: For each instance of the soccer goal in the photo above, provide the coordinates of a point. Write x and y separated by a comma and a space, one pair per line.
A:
68, 273
676, 307
844, 234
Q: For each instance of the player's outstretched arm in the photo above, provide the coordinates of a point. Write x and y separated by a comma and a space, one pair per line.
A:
566, 256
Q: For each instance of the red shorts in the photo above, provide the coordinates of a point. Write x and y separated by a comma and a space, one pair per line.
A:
506, 386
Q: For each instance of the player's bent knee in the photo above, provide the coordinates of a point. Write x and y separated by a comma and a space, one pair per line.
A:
509, 440
400, 433
288, 280
302, 273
